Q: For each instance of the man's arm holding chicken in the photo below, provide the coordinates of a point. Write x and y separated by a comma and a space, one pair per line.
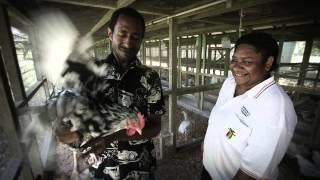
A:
152, 129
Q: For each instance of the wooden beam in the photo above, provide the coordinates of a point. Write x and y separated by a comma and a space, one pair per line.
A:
301, 89
124, 3
180, 22
196, 89
153, 27
110, 4
193, 10
103, 4
152, 11
275, 21
107, 16
221, 8
206, 29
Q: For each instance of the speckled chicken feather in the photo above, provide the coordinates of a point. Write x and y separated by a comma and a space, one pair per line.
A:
81, 106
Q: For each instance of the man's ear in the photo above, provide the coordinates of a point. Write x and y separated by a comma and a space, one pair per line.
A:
269, 63
109, 34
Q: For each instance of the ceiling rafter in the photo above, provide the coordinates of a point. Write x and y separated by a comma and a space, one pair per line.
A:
108, 5
217, 9
237, 5
189, 11
266, 25
111, 4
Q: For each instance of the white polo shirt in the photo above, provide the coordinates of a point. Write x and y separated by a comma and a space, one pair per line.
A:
250, 132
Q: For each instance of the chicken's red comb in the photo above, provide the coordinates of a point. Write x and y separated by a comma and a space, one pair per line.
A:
132, 129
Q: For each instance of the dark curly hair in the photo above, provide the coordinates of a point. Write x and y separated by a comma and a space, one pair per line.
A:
127, 11
264, 44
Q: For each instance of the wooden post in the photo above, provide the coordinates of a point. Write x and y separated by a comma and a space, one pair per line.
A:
198, 67
317, 78
160, 56
16, 160
179, 63
10, 57
143, 52
204, 55
227, 60
172, 79
276, 74
305, 61
187, 62
214, 61
150, 55
209, 59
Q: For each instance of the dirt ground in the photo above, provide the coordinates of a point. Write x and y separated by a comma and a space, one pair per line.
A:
184, 165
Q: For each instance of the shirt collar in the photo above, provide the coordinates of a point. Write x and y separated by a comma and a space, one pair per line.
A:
261, 87
112, 60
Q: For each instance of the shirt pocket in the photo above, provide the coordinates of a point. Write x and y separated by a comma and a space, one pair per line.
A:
236, 133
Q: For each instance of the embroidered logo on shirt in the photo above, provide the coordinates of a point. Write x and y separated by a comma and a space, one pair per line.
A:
244, 111
230, 133
241, 120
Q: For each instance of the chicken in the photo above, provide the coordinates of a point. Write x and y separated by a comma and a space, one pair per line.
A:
87, 116
185, 123
184, 127
80, 105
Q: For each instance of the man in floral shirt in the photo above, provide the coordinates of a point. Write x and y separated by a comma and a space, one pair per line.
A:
133, 85
130, 157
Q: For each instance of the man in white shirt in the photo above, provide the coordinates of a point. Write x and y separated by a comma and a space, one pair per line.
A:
253, 121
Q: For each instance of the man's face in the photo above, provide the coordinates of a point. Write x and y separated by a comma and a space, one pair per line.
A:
126, 38
248, 67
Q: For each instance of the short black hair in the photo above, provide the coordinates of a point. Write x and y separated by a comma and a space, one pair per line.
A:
264, 44
127, 11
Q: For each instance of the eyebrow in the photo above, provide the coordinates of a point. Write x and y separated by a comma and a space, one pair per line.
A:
123, 29
233, 56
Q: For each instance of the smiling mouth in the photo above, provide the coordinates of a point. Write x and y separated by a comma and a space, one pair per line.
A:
239, 75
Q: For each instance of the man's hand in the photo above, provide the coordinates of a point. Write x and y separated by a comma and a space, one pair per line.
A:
64, 135
96, 146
